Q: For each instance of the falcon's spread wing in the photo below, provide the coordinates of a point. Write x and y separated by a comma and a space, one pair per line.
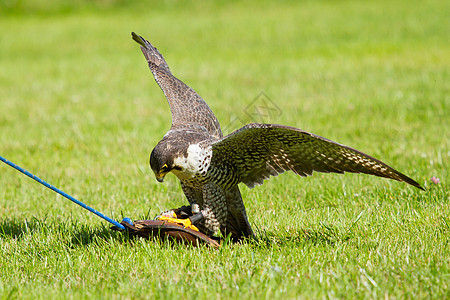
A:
187, 107
257, 151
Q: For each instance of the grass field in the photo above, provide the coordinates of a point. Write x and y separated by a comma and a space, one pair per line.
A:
80, 109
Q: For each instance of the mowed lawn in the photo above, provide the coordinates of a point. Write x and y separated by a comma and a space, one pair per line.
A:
80, 109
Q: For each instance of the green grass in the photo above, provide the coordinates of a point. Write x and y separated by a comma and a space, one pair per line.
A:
80, 109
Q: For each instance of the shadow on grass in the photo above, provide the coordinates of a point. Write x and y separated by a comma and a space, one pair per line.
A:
17, 229
96, 235
326, 235
74, 233
69, 233
323, 235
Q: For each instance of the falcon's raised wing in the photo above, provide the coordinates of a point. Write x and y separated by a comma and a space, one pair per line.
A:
257, 151
187, 107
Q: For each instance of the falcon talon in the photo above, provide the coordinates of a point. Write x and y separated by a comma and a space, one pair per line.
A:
186, 223
210, 166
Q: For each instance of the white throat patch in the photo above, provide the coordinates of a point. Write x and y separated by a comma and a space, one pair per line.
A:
195, 164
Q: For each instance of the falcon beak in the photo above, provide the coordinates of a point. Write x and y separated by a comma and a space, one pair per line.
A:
160, 177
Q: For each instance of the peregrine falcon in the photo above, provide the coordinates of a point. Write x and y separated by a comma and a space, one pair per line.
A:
210, 166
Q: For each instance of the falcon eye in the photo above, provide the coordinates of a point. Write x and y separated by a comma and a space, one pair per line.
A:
164, 168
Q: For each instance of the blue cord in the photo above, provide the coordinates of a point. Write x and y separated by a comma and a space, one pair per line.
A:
117, 224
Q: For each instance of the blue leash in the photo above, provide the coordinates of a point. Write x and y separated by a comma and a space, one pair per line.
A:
115, 223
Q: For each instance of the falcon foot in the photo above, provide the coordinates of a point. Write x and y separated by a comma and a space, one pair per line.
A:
183, 212
185, 216
186, 223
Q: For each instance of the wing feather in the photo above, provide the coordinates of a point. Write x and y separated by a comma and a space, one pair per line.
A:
257, 151
186, 106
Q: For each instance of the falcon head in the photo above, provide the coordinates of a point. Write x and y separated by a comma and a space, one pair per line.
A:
179, 151
162, 159
166, 155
